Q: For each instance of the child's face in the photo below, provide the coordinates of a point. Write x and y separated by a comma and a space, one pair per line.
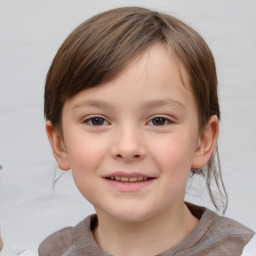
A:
141, 125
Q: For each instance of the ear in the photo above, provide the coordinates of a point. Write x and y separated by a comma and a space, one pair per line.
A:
206, 143
58, 147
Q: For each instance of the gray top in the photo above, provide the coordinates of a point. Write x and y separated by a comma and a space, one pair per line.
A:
214, 235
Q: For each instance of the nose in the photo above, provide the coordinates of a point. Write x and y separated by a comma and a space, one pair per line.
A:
128, 144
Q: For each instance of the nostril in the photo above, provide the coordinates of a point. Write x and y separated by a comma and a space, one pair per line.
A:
137, 156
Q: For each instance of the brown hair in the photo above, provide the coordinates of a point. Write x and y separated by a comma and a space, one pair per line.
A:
98, 49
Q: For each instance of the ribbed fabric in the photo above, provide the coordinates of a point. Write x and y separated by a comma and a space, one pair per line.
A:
213, 236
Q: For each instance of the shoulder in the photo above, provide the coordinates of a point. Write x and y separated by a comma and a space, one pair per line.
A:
218, 235
57, 243
78, 240
250, 248
229, 235
70, 240
214, 224
222, 224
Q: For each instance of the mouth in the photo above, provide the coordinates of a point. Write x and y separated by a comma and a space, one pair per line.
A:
129, 179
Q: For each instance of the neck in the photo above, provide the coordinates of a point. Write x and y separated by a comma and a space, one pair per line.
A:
122, 238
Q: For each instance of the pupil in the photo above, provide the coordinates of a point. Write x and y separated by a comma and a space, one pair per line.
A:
97, 121
159, 121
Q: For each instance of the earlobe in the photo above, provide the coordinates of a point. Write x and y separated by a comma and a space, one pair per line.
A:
58, 147
206, 143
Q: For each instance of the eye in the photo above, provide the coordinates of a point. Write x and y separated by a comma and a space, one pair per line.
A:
96, 121
159, 121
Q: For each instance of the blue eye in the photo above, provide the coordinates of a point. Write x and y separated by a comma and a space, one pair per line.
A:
96, 121
159, 121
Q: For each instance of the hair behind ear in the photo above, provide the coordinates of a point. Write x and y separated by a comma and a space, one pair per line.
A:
207, 163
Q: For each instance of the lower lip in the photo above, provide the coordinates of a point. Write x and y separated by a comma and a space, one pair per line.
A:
129, 186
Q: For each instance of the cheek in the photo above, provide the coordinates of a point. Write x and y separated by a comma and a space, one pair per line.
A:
174, 153
85, 154
85, 157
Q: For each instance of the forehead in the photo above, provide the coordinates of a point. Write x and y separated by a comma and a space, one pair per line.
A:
158, 60
156, 75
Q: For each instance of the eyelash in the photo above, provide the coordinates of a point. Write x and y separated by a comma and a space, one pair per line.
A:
100, 121
164, 121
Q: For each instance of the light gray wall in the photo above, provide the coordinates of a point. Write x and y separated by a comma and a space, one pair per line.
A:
31, 32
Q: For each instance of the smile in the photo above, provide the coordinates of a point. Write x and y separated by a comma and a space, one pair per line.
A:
128, 179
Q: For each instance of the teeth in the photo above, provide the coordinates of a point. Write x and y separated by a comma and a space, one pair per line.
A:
124, 179
128, 179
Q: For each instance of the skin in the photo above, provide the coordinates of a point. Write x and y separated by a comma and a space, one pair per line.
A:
143, 123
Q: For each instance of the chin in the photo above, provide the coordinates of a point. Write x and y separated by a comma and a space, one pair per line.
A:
131, 215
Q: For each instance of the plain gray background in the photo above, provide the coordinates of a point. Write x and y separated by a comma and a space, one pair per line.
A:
31, 32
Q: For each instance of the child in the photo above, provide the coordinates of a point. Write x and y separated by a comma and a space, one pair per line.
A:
132, 108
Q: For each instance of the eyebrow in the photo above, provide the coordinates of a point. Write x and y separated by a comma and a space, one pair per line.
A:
165, 102
92, 103
148, 104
